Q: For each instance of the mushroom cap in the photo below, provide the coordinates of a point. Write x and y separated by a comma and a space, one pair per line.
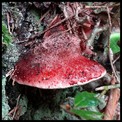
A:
56, 63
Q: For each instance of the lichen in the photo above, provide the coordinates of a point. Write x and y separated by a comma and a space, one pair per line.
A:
5, 106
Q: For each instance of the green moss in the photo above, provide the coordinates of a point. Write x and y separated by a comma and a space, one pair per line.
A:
6, 37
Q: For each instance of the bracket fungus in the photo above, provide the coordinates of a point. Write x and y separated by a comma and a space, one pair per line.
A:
56, 63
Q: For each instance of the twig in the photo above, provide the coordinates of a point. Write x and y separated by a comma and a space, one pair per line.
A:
110, 25
15, 108
94, 32
112, 104
40, 33
118, 4
12, 25
58, 23
9, 72
116, 59
18, 98
8, 20
81, 20
53, 20
107, 87
95, 6
102, 93
43, 17
66, 16
61, 32
84, 34
67, 30
68, 110
19, 42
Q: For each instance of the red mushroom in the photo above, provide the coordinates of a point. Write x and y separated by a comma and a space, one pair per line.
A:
57, 63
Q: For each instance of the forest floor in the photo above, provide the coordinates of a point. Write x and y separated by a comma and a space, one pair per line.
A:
26, 23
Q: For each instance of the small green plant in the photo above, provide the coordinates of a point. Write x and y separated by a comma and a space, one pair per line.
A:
83, 101
6, 37
114, 38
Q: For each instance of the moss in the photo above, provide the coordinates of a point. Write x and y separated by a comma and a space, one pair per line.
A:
46, 106
6, 37
5, 106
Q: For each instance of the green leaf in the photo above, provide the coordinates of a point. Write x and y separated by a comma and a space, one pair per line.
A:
85, 99
88, 115
114, 38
